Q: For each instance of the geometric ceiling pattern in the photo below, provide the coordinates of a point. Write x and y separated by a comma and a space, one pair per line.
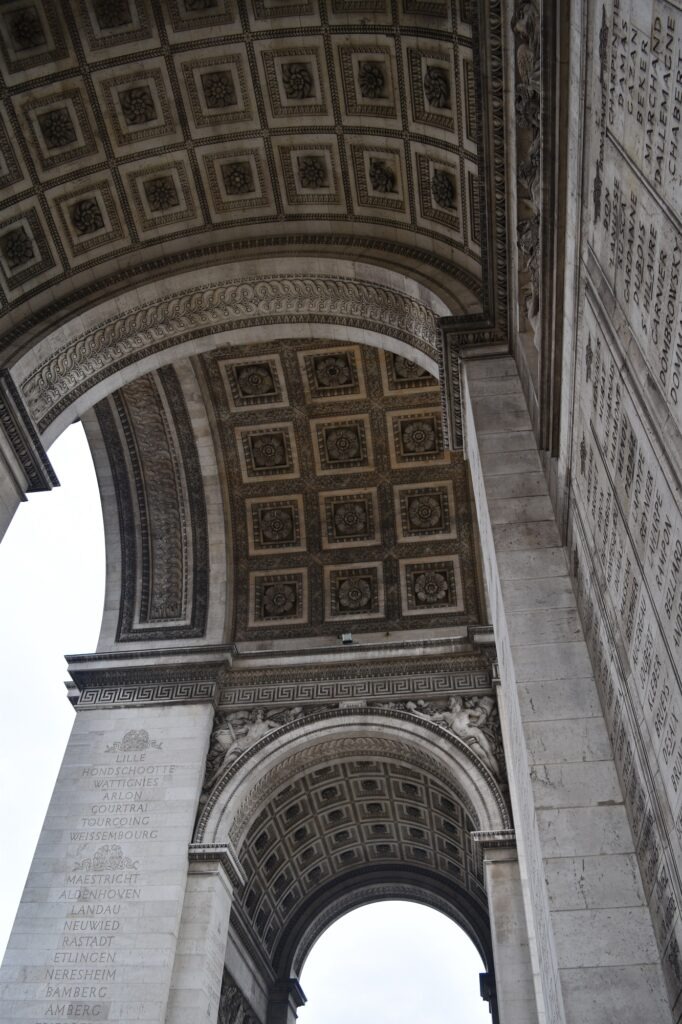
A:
153, 130
344, 818
341, 509
346, 511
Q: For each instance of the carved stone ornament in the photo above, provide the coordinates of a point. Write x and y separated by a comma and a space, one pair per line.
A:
406, 369
233, 1007
430, 587
235, 732
26, 29
255, 380
57, 128
342, 443
443, 189
312, 172
350, 517
381, 177
473, 720
419, 436
333, 371
371, 79
355, 593
297, 81
218, 89
137, 105
528, 106
86, 216
238, 178
112, 13
17, 247
437, 86
269, 450
107, 858
279, 599
277, 525
134, 740
96, 353
424, 511
161, 194
528, 234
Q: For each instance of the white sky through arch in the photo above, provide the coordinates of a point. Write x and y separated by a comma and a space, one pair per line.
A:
51, 597
393, 963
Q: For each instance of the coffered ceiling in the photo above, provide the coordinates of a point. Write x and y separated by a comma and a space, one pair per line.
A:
136, 135
341, 509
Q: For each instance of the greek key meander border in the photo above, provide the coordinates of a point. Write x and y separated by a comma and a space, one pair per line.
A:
133, 694
293, 691
302, 691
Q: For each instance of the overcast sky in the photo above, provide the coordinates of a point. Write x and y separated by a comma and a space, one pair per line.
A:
407, 963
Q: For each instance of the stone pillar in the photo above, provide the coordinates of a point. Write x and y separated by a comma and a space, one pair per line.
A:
285, 999
24, 466
96, 931
200, 951
593, 946
514, 988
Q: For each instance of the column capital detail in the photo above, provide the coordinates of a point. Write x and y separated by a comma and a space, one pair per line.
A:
218, 853
495, 839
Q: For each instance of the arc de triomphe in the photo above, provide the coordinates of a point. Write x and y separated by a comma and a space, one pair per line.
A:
371, 312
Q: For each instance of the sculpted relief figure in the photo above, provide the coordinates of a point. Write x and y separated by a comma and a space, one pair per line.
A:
472, 720
233, 735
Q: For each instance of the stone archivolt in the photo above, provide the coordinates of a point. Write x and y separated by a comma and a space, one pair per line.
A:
360, 803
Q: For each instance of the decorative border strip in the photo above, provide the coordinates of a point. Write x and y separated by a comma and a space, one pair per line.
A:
23, 437
195, 312
453, 338
181, 692
302, 691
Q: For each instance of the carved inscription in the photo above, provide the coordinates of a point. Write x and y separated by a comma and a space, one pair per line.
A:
104, 884
637, 235
627, 545
645, 88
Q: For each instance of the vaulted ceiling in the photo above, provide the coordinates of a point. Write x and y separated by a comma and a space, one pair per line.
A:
338, 506
136, 136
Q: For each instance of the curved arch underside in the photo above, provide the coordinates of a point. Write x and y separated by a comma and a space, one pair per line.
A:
339, 809
148, 136
314, 472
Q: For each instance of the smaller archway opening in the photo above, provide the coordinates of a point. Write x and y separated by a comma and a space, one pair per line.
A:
395, 961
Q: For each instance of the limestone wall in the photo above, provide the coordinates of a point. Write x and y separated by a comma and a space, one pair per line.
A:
626, 465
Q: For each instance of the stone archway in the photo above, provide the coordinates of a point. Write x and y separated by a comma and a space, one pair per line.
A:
333, 809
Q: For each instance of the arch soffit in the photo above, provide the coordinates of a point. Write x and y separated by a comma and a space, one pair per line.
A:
292, 750
414, 887
433, 193
122, 338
